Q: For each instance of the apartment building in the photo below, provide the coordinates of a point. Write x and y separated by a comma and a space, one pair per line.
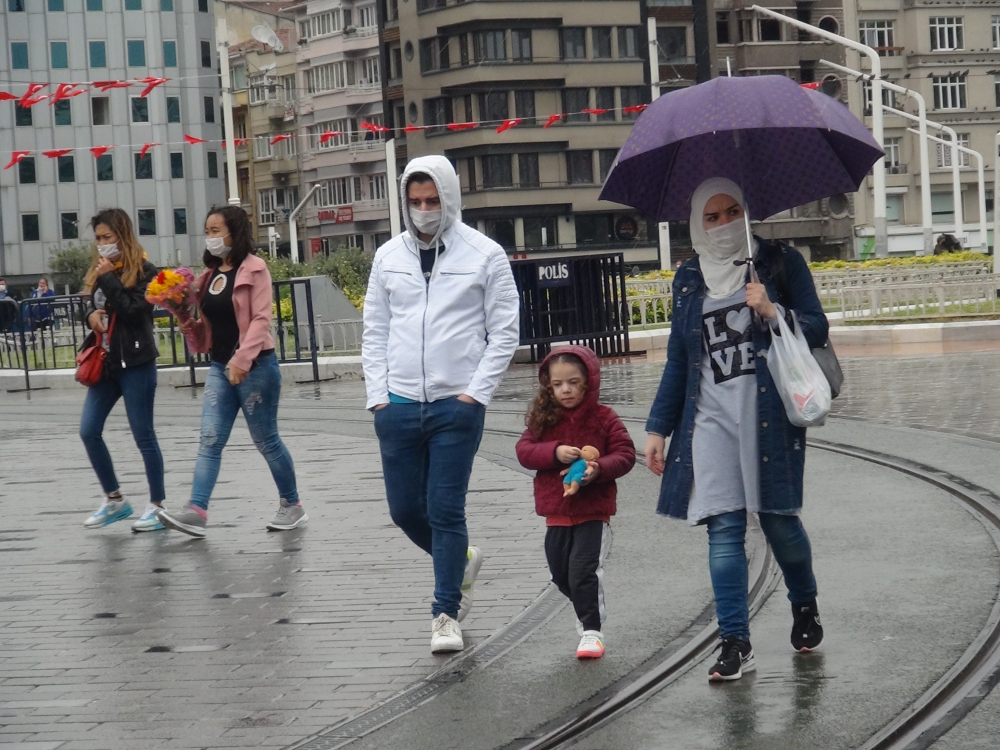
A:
340, 78
46, 203
575, 66
949, 52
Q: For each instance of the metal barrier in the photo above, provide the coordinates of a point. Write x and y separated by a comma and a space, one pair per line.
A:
578, 299
941, 299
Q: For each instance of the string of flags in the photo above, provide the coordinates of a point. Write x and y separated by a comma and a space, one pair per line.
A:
501, 126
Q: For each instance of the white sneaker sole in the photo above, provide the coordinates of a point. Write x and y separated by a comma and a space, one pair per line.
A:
137, 529
745, 669
286, 527
447, 648
195, 531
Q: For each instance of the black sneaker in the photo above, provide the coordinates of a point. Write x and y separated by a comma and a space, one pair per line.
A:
807, 632
735, 659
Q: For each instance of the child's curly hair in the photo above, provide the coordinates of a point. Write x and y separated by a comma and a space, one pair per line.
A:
545, 411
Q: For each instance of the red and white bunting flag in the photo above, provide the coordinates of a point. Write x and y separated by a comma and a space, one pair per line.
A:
236, 141
634, 109
589, 111
16, 157
373, 127
25, 103
462, 125
329, 135
5, 97
107, 85
57, 152
812, 86
553, 119
282, 137
146, 148
192, 140
508, 124
151, 83
33, 88
65, 91
412, 129
100, 150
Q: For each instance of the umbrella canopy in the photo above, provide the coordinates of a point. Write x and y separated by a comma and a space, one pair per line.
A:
783, 144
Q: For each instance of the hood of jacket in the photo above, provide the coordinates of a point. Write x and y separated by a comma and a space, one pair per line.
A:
449, 189
590, 361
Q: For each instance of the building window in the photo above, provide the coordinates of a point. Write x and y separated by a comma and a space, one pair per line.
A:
501, 231
573, 43
575, 100
203, 6
170, 54
996, 89
66, 168
95, 4
19, 55
166, 5
949, 92
140, 109
881, 35
180, 221
946, 33
520, 44
265, 207
366, 17
768, 30
539, 233
98, 55
527, 170
996, 32
524, 106
580, 167
262, 147
133, 4
68, 224
604, 98
944, 152
176, 165
341, 191
100, 110
144, 166
891, 149
633, 96
602, 42
722, 27
888, 97
105, 168
493, 107
893, 209
671, 41
497, 171
209, 109
322, 24
62, 113
206, 54
434, 54
15, 6
213, 164
437, 111
22, 115
628, 42
136, 52
173, 109
29, 228
26, 171
60, 58
942, 208
606, 157
147, 222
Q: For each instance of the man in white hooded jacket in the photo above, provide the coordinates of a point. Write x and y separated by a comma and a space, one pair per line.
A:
441, 326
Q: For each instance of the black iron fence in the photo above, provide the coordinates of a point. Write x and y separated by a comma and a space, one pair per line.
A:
47, 333
579, 299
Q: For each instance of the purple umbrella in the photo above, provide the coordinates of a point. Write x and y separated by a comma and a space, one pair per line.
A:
783, 144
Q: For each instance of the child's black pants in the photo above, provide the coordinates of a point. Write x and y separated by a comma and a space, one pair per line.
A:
576, 561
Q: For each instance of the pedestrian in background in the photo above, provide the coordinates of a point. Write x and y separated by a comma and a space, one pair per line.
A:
234, 302
41, 315
732, 449
565, 416
120, 315
441, 326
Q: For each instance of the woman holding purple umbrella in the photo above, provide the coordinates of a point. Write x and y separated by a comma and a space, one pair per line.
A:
732, 449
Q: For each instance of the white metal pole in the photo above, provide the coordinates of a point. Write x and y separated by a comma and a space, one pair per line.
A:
293, 228
981, 168
878, 170
392, 185
663, 228
956, 183
222, 44
926, 212
996, 197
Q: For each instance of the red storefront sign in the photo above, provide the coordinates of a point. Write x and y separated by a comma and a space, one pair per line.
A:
316, 245
342, 215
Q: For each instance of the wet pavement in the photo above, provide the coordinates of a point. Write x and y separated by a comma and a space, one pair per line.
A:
249, 639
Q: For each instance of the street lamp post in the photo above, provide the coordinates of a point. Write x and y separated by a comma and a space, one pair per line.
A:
925, 171
222, 43
663, 228
878, 169
293, 226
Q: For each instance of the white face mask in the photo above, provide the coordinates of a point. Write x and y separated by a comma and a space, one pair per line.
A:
3, 288
426, 222
217, 246
729, 238
109, 251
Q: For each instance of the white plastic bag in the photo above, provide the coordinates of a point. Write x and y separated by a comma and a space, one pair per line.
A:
804, 389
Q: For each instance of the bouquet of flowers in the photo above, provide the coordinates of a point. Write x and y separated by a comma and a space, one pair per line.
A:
173, 289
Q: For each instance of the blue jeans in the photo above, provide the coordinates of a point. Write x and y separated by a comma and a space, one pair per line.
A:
137, 385
727, 561
427, 453
258, 397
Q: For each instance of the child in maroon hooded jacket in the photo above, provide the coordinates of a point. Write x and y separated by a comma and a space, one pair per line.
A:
564, 417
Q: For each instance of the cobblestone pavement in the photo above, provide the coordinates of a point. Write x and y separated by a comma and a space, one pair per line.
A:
249, 639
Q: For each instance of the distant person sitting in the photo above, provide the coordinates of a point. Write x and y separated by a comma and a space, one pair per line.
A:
41, 315
947, 243
10, 315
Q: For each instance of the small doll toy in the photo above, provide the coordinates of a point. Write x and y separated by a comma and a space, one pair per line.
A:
576, 470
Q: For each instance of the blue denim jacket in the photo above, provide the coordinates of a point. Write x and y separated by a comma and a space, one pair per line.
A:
780, 444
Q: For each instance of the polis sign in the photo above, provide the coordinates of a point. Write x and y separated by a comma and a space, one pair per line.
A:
554, 274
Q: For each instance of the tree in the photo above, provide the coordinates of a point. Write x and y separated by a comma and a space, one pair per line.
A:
70, 264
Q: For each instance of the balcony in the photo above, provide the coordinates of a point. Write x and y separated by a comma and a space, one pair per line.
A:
375, 144
895, 169
365, 88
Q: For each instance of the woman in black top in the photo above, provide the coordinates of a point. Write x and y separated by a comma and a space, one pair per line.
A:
117, 281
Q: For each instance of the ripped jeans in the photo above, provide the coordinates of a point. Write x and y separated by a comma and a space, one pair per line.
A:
258, 397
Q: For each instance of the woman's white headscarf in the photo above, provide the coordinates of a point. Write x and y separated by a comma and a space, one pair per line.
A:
717, 254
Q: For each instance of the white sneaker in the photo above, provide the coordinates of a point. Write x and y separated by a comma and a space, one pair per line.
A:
591, 645
148, 521
473, 562
580, 630
109, 512
446, 635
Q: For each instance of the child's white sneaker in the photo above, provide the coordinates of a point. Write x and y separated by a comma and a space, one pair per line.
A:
591, 645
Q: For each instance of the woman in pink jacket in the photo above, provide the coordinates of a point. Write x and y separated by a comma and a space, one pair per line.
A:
234, 300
